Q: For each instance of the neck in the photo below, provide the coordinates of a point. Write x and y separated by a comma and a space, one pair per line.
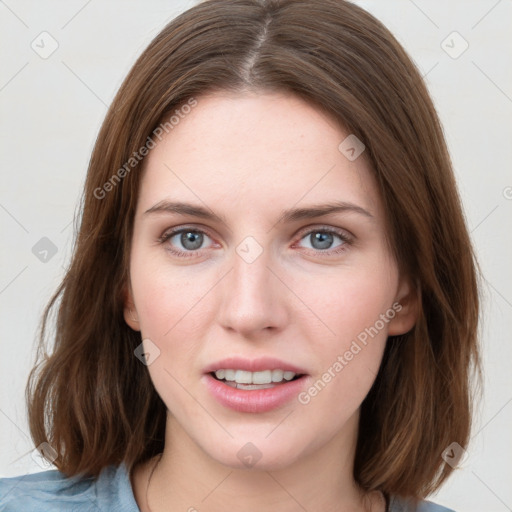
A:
186, 478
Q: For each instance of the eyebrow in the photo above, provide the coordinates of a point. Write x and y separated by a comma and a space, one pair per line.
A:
314, 211
291, 215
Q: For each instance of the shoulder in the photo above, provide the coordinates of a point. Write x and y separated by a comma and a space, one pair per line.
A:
51, 491
403, 505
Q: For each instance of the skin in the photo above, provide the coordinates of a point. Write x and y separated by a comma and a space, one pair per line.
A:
247, 157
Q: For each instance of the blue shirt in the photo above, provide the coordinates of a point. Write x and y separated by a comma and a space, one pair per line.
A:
52, 491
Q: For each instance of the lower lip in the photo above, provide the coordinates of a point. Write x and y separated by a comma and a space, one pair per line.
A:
256, 400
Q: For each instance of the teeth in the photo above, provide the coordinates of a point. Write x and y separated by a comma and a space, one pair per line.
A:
229, 374
277, 375
245, 377
264, 377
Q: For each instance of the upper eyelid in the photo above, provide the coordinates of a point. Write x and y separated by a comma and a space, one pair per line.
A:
175, 231
324, 227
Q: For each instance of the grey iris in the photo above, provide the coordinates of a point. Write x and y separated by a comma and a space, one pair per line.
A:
321, 240
194, 239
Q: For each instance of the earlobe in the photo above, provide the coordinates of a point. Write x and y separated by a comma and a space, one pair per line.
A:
406, 307
129, 311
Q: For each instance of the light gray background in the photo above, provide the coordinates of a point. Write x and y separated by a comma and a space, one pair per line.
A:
52, 108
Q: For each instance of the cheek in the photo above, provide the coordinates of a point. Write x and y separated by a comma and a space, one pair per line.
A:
349, 335
348, 302
171, 307
348, 348
167, 297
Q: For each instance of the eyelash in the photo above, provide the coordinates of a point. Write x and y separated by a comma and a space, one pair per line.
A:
345, 238
347, 241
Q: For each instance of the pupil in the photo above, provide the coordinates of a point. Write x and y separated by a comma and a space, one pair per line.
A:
191, 240
321, 240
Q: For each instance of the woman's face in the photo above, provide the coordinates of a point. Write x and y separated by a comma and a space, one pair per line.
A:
239, 263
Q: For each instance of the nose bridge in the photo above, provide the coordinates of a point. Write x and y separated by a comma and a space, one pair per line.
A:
251, 273
251, 298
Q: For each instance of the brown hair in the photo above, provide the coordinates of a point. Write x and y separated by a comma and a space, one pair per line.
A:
93, 401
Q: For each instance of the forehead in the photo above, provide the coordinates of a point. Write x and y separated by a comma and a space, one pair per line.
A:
255, 151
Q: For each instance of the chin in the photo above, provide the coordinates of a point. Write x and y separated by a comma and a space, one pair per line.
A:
262, 455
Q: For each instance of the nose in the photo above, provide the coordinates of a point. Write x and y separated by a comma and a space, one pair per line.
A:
254, 300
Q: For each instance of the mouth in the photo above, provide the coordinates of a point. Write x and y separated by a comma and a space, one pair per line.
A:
254, 385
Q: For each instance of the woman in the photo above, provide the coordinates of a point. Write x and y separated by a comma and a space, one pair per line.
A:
272, 302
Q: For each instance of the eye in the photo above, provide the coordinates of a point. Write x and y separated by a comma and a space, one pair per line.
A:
323, 240
184, 241
187, 242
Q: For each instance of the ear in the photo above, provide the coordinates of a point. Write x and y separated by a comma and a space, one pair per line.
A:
129, 311
406, 306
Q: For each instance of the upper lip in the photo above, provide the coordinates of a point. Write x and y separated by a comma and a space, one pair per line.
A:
253, 365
